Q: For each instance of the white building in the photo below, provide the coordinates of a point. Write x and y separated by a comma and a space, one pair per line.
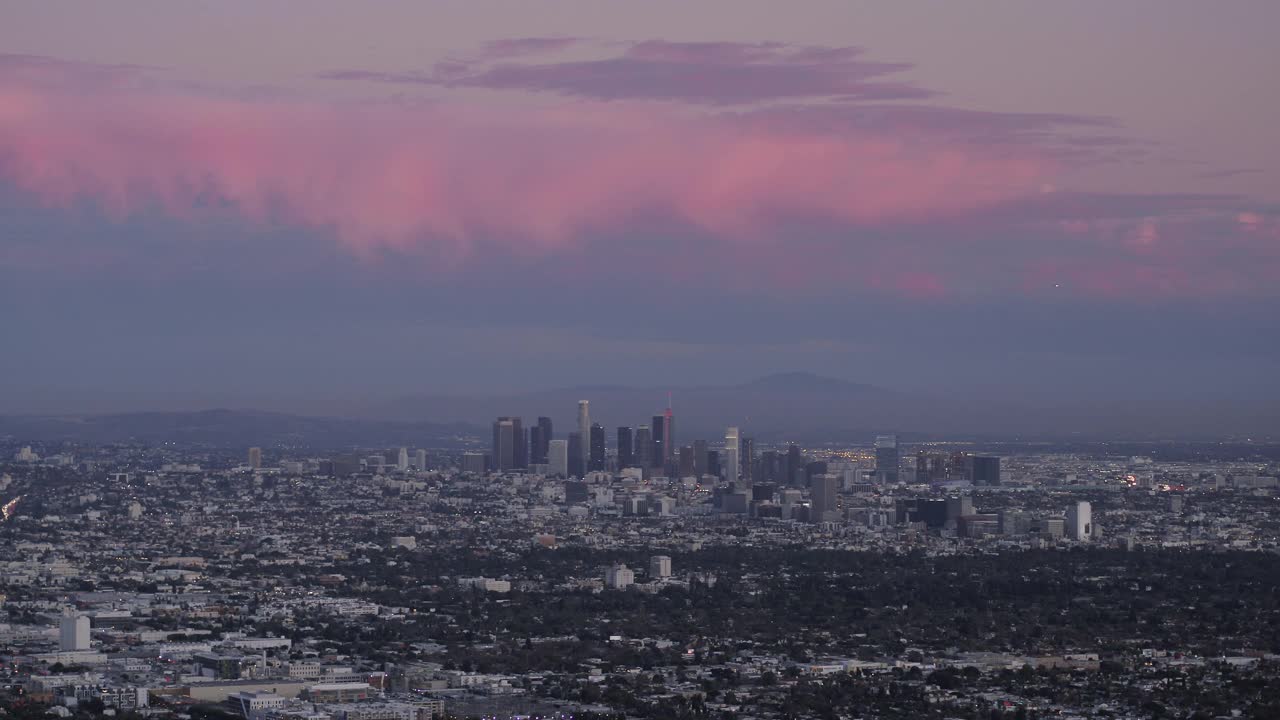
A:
1080, 521
660, 566
402, 460
619, 577
74, 633
729, 459
558, 458
584, 428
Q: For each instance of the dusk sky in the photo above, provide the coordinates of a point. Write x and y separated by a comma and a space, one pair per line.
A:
296, 205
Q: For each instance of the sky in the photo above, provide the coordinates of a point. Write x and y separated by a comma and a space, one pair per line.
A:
298, 205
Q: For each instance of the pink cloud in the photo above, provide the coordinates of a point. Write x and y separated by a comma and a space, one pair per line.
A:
447, 177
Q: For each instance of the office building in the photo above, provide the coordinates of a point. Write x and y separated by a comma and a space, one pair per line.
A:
577, 460
420, 459
626, 447
685, 462
538, 450
509, 449
619, 577
255, 457
558, 458
658, 448
747, 459
887, 458
795, 465
700, 467
822, 497
1079, 521
729, 459
596, 454
643, 446
584, 431
659, 567
402, 460
73, 633
475, 463
984, 470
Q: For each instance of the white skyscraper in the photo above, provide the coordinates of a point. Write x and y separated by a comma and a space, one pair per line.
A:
402, 461
729, 459
74, 633
1080, 521
584, 431
558, 457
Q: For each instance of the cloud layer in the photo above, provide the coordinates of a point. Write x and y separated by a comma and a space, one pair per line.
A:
915, 199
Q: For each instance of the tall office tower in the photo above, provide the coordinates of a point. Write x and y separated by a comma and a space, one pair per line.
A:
73, 633
544, 440
669, 434
420, 459
984, 470
558, 458
887, 458
686, 462
713, 463
658, 452
255, 457
535, 445
822, 497
402, 459
1080, 521
700, 458
510, 445
768, 466
729, 458
626, 447
597, 448
747, 459
643, 447
476, 463
795, 465
577, 465
584, 431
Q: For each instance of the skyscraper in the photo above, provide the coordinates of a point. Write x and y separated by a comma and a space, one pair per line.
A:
1080, 521
420, 459
504, 443
558, 458
626, 447
747, 459
700, 466
535, 445
887, 458
729, 459
402, 460
822, 497
660, 453
544, 440
686, 462
643, 447
577, 462
596, 454
795, 463
255, 457
584, 431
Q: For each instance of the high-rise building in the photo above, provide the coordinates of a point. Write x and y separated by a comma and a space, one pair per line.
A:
822, 497
1079, 524
660, 566
887, 458
729, 459
686, 462
539, 452
643, 447
420, 459
747, 459
255, 457
795, 465
584, 431
984, 470
657, 450
535, 445
597, 448
558, 458
626, 447
509, 449
700, 467
73, 633
577, 463
402, 460
475, 463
